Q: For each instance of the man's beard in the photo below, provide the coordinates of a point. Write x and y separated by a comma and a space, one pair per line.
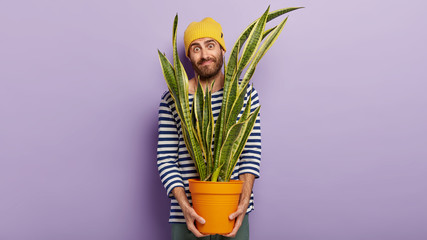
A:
207, 72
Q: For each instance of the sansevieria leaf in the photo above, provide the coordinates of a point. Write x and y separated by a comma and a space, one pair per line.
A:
263, 49
227, 147
241, 142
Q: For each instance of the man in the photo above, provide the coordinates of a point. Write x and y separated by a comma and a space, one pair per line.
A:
205, 47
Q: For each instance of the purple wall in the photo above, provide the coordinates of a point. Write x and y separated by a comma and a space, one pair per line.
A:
343, 117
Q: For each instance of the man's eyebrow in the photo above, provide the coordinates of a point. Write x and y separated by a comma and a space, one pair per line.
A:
194, 44
209, 41
205, 42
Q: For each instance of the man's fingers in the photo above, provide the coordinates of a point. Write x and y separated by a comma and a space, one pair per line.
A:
237, 225
196, 232
235, 214
191, 216
200, 220
234, 232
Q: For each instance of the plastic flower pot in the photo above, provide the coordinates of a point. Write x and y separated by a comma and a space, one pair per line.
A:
215, 201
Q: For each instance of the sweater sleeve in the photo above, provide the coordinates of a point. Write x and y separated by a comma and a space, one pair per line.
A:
167, 147
250, 158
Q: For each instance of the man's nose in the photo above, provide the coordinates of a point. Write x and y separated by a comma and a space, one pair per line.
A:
203, 53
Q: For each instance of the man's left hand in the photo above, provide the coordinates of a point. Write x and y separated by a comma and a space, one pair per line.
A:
238, 215
248, 182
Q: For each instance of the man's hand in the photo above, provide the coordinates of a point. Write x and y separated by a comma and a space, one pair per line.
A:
238, 215
189, 214
248, 182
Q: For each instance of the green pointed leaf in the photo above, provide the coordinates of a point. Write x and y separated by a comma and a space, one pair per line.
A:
205, 114
187, 141
186, 118
247, 110
238, 148
232, 63
209, 156
236, 109
196, 115
265, 34
243, 119
226, 149
254, 40
216, 174
249, 50
261, 52
198, 102
218, 131
280, 12
207, 129
168, 73
244, 35
232, 98
230, 90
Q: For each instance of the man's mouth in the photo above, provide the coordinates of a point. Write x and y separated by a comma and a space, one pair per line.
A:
206, 62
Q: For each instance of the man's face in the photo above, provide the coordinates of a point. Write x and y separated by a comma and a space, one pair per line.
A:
206, 56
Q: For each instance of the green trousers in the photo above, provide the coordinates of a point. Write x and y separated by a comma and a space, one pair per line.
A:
181, 232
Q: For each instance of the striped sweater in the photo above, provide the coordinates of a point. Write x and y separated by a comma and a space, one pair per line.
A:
174, 162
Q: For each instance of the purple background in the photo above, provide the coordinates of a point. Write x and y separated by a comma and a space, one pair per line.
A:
344, 118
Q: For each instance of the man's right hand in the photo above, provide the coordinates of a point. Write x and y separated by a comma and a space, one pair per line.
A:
190, 214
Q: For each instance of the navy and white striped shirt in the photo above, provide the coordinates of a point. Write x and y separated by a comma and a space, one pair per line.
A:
174, 162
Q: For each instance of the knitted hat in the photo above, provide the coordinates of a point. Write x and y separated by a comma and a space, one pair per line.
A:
205, 28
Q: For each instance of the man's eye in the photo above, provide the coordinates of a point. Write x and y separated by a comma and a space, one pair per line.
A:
210, 46
196, 49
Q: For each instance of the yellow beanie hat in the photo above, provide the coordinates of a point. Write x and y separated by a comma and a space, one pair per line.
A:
205, 28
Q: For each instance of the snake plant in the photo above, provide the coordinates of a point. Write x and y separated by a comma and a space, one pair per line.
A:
229, 134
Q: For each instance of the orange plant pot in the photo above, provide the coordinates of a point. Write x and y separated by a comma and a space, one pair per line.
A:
215, 201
